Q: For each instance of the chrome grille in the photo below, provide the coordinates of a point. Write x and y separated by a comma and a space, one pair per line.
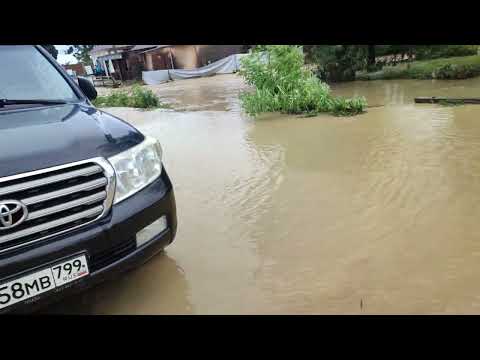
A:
58, 200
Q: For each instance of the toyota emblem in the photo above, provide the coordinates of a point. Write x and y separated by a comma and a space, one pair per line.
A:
12, 213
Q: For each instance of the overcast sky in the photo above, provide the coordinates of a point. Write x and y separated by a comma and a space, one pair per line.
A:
63, 58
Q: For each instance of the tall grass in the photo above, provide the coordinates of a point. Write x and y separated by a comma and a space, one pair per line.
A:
283, 84
137, 97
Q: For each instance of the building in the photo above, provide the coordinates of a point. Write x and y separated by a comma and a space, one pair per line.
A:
110, 59
78, 68
164, 57
126, 62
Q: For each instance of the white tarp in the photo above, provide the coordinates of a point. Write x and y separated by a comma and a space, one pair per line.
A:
155, 77
228, 65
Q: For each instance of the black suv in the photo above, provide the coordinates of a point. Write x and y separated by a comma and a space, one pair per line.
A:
83, 195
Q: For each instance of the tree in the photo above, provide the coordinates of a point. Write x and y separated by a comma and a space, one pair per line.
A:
52, 50
337, 62
371, 56
81, 53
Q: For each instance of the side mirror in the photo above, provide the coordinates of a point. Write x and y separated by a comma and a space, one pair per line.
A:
87, 88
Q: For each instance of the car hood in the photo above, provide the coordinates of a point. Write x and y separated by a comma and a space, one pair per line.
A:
37, 138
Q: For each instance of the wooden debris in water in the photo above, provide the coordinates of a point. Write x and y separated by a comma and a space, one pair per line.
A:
437, 100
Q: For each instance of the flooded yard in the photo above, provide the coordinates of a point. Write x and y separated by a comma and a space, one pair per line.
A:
376, 213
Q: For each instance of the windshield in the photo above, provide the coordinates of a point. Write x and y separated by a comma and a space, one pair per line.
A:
26, 74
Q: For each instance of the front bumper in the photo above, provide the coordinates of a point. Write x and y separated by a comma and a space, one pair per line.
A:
109, 244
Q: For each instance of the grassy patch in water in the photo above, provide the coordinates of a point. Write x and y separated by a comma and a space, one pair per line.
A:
283, 84
451, 102
462, 67
136, 97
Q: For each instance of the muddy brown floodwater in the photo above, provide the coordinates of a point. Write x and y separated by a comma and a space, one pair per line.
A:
377, 213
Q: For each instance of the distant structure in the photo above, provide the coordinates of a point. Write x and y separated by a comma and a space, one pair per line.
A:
126, 62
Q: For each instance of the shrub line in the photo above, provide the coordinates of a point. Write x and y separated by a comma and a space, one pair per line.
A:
137, 97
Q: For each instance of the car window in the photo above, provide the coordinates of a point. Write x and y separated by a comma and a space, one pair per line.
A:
26, 74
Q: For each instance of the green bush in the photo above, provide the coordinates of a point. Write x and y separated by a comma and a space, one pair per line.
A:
137, 97
454, 71
424, 52
448, 68
283, 84
427, 52
144, 98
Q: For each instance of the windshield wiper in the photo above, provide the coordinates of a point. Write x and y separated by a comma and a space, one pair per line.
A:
5, 102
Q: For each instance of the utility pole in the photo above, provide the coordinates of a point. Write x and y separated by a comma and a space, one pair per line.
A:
171, 58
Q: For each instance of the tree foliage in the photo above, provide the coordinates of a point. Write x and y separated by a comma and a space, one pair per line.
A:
337, 62
52, 50
81, 53
341, 62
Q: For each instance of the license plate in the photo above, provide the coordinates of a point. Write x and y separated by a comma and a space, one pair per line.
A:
42, 281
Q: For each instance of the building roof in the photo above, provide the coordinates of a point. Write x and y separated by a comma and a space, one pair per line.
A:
155, 48
142, 47
122, 48
98, 48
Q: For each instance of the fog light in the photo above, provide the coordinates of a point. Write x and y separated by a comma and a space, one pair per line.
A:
152, 230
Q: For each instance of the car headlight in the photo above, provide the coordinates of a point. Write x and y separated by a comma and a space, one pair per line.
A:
136, 168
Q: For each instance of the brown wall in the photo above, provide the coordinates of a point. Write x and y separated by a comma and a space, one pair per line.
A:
161, 60
135, 65
78, 68
157, 59
185, 56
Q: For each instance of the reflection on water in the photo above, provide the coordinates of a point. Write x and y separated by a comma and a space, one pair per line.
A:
157, 286
403, 92
378, 209
376, 213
